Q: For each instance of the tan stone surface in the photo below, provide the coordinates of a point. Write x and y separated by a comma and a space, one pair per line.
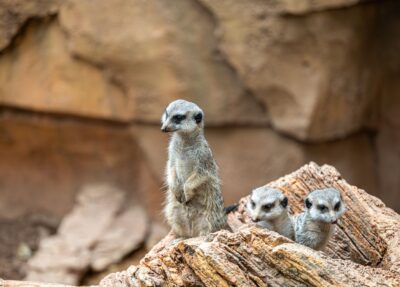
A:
161, 52
388, 143
45, 161
387, 140
15, 13
312, 72
41, 75
308, 6
99, 231
125, 234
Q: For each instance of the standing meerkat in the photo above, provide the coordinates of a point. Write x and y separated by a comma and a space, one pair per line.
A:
268, 208
315, 226
194, 203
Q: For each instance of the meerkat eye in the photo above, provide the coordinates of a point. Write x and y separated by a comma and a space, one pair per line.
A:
308, 203
267, 207
284, 202
252, 203
337, 206
178, 118
322, 208
198, 118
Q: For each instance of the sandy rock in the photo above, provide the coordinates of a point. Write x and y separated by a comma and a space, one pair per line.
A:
45, 161
14, 13
314, 73
19, 237
388, 146
58, 261
54, 80
96, 233
161, 52
94, 213
387, 140
306, 6
126, 233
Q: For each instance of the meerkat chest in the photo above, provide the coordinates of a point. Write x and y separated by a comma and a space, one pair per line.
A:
321, 232
184, 166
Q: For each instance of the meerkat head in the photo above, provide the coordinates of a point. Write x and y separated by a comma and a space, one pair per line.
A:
183, 117
266, 204
325, 205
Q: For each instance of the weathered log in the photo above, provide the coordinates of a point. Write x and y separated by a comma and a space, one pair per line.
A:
364, 251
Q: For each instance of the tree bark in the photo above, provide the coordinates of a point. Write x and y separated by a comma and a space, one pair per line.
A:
364, 251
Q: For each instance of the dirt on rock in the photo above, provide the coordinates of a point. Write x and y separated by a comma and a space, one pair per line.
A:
19, 238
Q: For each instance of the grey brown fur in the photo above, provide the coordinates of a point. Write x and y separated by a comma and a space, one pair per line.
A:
315, 226
268, 208
194, 203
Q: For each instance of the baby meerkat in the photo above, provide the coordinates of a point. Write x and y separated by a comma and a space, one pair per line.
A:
268, 208
315, 226
194, 203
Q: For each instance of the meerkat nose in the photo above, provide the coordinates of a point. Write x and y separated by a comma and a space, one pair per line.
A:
334, 221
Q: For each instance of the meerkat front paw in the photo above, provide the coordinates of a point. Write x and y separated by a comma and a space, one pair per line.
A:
188, 194
179, 195
181, 198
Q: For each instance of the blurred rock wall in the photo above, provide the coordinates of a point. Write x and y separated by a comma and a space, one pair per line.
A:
83, 84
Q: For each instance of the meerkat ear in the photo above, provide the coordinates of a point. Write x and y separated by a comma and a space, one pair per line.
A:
308, 203
198, 117
284, 202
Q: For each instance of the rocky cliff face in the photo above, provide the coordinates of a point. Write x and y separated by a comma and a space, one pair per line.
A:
83, 84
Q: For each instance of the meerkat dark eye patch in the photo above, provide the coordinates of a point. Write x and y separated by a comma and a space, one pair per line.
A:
198, 117
178, 118
308, 203
322, 207
284, 202
337, 206
252, 203
267, 207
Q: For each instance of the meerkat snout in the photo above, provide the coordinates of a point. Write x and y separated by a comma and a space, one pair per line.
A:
268, 208
182, 116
